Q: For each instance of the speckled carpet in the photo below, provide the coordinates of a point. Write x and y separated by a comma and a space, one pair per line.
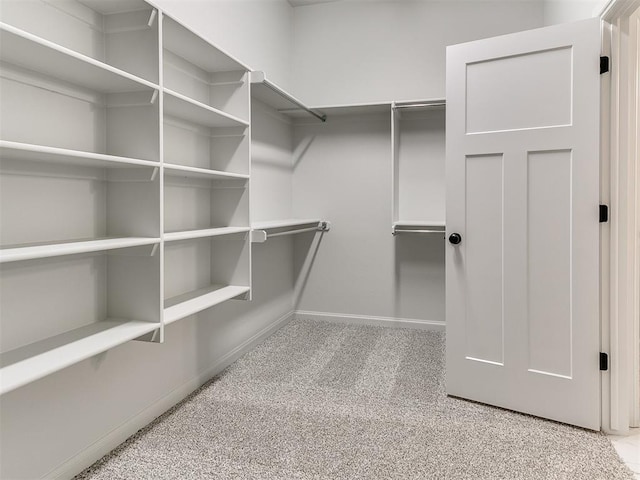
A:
328, 401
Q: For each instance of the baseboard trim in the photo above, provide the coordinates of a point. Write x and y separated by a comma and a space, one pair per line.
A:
394, 322
97, 450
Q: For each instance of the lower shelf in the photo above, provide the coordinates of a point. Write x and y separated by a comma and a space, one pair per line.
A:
72, 248
189, 303
34, 361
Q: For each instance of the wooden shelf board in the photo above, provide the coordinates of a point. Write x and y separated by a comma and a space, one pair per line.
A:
207, 232
29, 252
273, 224
41, 153
195, 172
181, 106
29, 363
187, 304
35, 53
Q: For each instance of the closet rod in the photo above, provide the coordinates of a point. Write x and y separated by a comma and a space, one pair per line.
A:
321, 116
299, 230
420, 105
409, 230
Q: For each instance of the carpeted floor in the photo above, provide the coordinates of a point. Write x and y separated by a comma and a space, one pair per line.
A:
328, 401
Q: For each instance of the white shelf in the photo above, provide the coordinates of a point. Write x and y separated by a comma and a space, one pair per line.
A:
34, 53
178, 105
181, 41
268, 92
193, 302
29, 363
207, 232
293, 222
71, 248
195, 172
41, 153
420, 223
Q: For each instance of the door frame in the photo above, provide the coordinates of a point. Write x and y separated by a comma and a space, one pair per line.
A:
620, 256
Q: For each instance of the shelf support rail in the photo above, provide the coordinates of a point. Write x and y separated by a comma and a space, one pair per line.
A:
319, 115
261, 236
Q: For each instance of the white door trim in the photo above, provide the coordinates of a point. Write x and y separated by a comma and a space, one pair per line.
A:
619, 246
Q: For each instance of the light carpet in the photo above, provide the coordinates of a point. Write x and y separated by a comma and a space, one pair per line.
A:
329, 401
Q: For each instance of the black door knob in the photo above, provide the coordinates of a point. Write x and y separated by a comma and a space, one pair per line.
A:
455, 238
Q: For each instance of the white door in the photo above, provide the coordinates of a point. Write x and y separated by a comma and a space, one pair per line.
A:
522, 193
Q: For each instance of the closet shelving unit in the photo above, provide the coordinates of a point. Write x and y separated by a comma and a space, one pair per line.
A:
418, 164
266, 91
118, 117
206, 139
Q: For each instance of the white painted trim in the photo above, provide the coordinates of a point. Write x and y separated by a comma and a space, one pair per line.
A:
614, 9
393, 322
618, 279
97, 450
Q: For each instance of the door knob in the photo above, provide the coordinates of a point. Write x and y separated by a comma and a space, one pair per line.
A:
455, 238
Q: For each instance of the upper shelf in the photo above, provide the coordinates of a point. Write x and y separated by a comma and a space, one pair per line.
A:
34, 53
183, 107
190, 46
271, 94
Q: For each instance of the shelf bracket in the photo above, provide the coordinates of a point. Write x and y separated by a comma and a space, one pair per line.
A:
152, 18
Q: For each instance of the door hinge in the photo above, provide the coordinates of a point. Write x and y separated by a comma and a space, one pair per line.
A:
604, 213
604, 361
604, 64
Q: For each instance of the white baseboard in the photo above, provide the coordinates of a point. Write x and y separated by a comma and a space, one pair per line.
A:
110, 441
437, 325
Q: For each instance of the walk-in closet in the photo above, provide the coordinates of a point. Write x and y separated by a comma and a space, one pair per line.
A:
319, 239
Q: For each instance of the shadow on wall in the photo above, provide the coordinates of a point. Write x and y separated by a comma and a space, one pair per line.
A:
308, 244
419, 277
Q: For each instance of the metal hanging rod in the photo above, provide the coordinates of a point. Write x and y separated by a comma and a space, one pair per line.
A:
421, 105
297, 230
409, 230
261, 235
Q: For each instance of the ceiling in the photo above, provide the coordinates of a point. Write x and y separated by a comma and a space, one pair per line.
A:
302, 3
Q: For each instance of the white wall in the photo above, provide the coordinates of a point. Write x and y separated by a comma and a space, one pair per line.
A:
343, 174
563, 11
357, 51
259, 33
